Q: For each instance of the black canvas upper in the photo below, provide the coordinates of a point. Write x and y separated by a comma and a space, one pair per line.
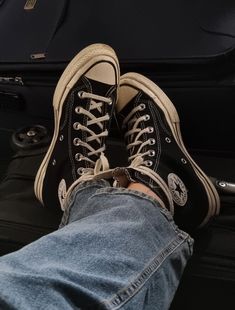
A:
65, 151
168, 159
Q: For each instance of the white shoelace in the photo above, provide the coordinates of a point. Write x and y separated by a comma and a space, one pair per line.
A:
101, 165
134, 133
95, 104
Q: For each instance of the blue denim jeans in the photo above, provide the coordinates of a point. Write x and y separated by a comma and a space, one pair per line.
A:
115, 249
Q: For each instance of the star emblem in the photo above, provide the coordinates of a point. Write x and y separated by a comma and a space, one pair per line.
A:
178, 190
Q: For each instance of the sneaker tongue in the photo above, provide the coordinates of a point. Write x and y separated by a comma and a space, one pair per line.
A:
135, 101
99, 88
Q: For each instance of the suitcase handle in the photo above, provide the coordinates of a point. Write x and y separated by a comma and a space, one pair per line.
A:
224, 187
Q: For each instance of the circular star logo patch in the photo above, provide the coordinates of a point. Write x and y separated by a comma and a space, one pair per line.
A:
178, 190
62, 190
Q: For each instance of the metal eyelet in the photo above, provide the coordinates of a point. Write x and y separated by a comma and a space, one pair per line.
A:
53, 162
142, 106
78, 157
168, 140
152, 141
80, 171
76, 141
80, 94
148, 163
184, 161
77, 110
152, 153
61, 138
76, 126
150, 129
147, 117
111, 101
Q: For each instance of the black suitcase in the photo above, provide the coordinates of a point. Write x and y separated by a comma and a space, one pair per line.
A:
22, 218
187, 47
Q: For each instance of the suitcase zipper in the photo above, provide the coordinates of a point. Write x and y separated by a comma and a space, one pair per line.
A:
17, 80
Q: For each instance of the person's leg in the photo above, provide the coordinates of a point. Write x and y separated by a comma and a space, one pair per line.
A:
116, 249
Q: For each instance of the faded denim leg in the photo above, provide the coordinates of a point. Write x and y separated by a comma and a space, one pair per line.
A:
116, 249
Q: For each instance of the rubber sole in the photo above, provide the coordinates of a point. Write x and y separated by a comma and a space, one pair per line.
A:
164, 103
78, 66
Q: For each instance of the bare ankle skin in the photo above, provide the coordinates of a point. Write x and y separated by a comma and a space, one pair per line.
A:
144, 189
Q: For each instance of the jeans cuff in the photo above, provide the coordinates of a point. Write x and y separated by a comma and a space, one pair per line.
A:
78, 188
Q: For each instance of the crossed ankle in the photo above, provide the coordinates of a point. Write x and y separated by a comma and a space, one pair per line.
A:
123, 178
146, 190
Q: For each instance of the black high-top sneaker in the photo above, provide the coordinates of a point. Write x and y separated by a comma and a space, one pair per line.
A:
157, 155
83, 104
